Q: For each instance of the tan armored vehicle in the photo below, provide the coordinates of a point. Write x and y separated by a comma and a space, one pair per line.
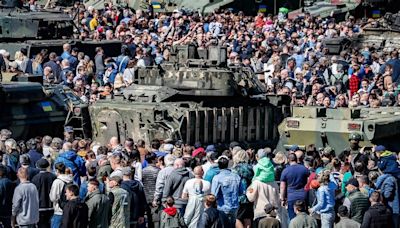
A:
331, 127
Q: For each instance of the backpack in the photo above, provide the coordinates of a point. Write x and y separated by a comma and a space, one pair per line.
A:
62, 201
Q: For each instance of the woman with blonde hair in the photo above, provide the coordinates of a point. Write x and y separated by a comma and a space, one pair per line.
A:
37, 64
18, 58
325, 206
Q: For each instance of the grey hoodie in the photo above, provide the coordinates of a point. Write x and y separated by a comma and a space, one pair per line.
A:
55, 191
174, 185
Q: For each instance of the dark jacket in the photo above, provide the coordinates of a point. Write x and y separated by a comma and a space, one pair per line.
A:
6, 196
34, 156
174, 185
63, 74
138, 199
149, 179
359, 205
55, 68
75, 214
212, 218
377, 215
32, 172
43, 182
99, 207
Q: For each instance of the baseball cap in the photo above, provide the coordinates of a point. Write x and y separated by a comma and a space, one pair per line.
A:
380, 148
353, 181
42, 164
198, 151
220, 157
294, 148
210, 148
69, 129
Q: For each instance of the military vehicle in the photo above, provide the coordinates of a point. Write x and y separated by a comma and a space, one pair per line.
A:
49, 29
337, 9
30, 109
331, 127
195, 97
168, 6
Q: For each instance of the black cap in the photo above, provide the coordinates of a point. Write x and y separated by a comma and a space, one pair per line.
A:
353, 181
42, 164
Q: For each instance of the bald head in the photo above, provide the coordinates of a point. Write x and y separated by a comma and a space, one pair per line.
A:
198, 171
179, 163
67, 146
114, 142
299, 155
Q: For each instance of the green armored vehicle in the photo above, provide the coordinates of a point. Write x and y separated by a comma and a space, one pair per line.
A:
331, 127
30, 109
195, 98
337, 9
44, 29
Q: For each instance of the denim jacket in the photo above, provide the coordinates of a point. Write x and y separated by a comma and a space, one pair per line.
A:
388, 185
226, 187
326, 198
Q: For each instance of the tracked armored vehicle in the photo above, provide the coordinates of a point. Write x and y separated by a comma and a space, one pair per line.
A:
195, 98
49, 29
331, 127
30, 109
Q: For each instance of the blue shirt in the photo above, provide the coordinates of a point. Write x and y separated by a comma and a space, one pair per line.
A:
295, 177
226, 187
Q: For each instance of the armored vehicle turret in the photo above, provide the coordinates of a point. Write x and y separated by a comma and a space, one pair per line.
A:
195, 97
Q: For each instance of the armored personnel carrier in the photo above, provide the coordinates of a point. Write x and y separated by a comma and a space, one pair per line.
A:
331, 127
337, 9
30, 109
194, 98
50, 29
382, 34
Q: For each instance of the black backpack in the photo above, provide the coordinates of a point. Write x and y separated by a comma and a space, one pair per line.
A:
62, 201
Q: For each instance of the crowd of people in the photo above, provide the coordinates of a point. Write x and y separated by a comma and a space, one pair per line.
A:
77, 183
290, 52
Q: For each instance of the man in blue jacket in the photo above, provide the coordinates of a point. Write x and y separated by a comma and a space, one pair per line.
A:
389, 182
226, 187
73, 161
